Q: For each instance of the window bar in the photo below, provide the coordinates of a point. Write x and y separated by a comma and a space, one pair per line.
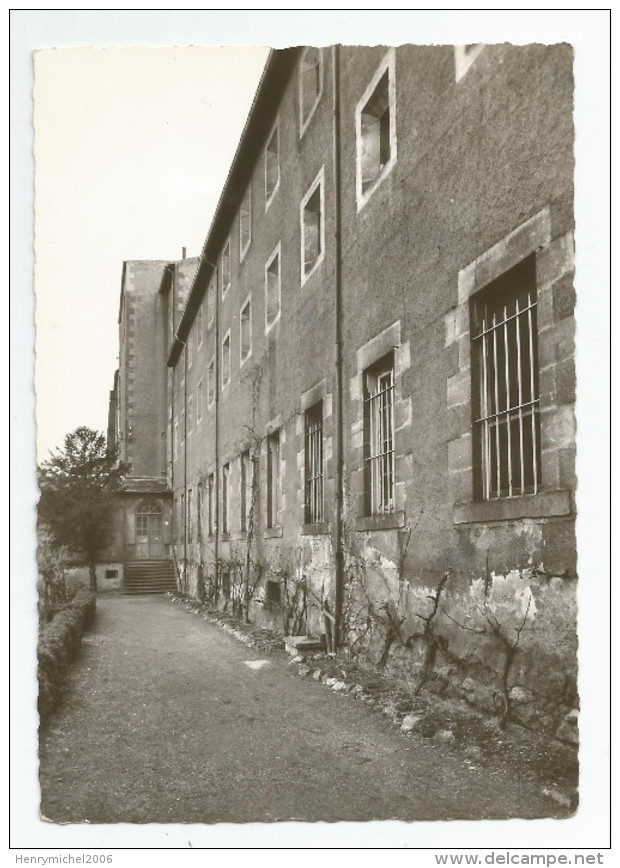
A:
371, 426
392, 456
496, 391
534, 443
508, 403
380, 441
486, 431
520, 388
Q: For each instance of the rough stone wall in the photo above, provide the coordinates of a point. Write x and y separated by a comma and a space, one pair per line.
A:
482, 179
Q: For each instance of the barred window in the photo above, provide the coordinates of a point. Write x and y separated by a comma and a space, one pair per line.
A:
273, 478
506, 427
379, 436
314, 463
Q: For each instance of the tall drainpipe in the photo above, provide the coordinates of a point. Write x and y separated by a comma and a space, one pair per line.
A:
184, 462
217, 421
339, 426
216, 373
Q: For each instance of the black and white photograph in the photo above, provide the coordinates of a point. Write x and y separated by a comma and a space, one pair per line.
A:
309, 380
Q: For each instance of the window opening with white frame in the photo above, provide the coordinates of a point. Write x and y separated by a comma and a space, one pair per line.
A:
272, 289
505, 405
200, 326
272, 165
225, 268
376, 130
273, 479
314, 463
190, 414
245, 331
211, 384
310, 84
226, 360
199, 401
379, 436
211, 290
245, 223
312, 227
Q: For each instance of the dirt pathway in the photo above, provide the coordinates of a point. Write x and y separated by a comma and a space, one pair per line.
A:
170, 720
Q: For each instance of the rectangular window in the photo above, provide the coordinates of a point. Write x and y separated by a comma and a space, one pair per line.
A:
376, 130
182, 427
245, 224
245, 331
190, 415
226, 360
312, 227
272, 289
246, 489
272, 165
225, 495
211, 289
310, 84
225, 268
199, 401
199, 326
505, 405
211, 385
314, 463
176, 439
190, 518
211, 503
273, 594
273, 479
226, 584
379, 436
190, 349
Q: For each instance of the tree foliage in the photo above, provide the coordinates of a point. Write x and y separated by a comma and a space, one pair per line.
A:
78, 487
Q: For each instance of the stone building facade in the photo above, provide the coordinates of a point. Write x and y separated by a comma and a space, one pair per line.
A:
368, 409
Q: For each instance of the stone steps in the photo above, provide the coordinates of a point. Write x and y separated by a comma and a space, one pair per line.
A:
148, 577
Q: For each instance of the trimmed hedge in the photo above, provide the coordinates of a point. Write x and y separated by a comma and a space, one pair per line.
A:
59, 642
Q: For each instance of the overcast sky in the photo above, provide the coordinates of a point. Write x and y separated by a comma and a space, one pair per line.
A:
131, 147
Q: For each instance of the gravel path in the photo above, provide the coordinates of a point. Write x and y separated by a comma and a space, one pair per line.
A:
165, 721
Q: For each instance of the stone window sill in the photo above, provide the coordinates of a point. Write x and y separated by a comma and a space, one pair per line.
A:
316, 529
225, 537
273, 532
240, 534
381, 522
543, 505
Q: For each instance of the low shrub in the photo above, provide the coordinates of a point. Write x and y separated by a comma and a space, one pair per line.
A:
59, 642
